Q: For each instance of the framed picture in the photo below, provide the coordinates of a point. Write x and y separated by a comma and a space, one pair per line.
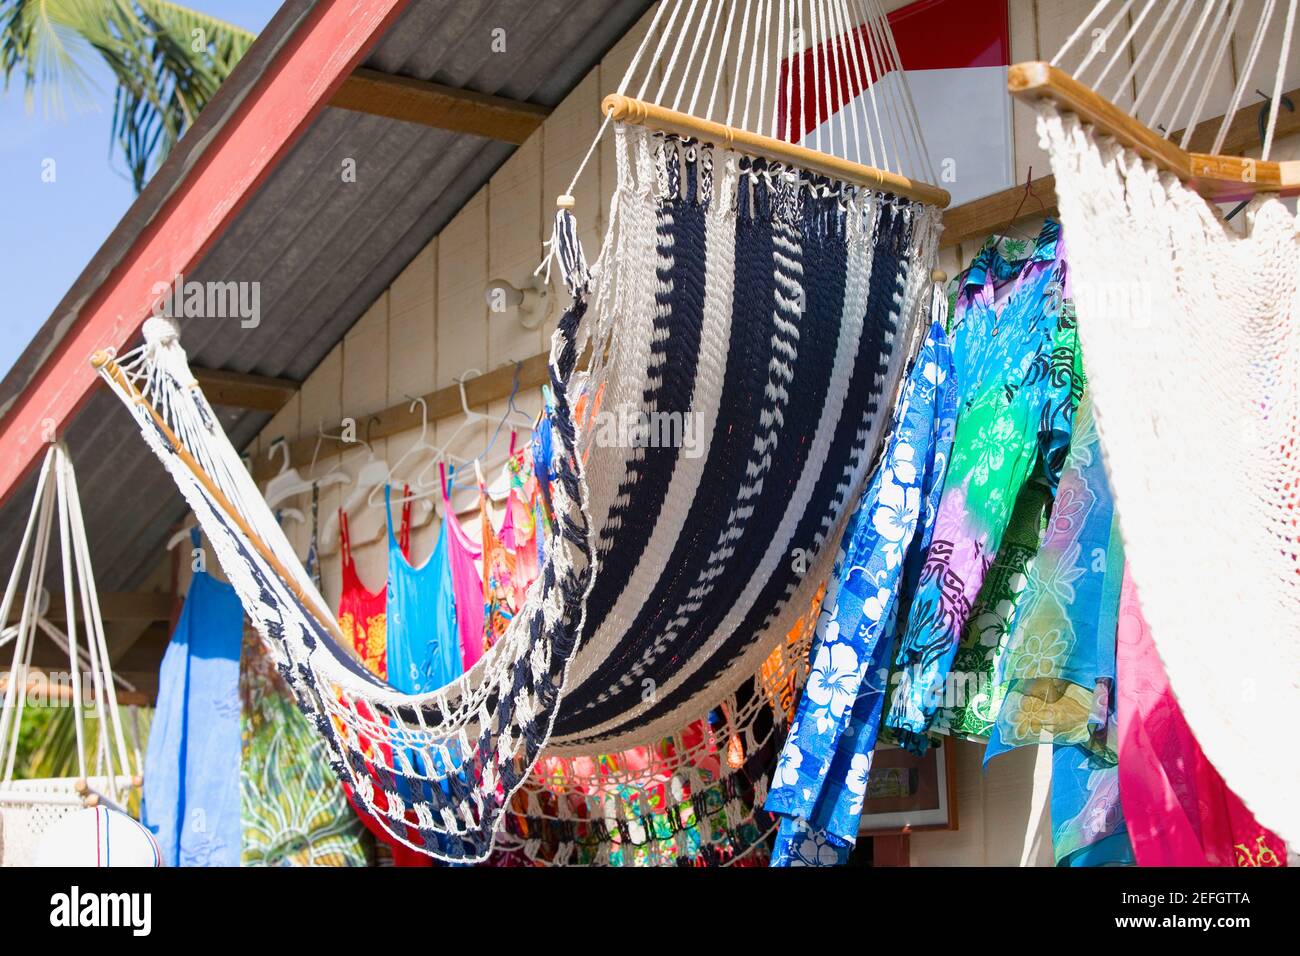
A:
907, 793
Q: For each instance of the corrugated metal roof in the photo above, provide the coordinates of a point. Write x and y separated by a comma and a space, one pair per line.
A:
322, 254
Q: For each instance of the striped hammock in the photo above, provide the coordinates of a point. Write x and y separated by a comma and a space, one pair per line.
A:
761, 314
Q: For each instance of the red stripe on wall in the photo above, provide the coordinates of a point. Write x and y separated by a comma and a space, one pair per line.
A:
930, 34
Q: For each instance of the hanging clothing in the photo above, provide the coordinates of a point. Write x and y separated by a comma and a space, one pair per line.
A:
1055, 679
992, 621
499, 569
363, 614
363, 618
466, 583
1180, 812
423, 648
519, 533
821, 776
292, 809
543, 474
1015, 357
191, 782
1088, 825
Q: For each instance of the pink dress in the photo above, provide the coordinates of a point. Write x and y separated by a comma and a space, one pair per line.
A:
466, 585
1178, 809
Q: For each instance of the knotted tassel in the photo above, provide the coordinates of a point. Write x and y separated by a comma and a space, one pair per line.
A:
565, 249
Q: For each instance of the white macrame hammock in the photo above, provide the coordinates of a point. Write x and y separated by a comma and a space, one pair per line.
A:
28, 807
1191, 332
773, 289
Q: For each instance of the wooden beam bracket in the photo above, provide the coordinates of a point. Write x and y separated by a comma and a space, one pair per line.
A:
256, 393
442, 107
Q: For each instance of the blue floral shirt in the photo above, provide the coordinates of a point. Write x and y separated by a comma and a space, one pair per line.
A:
821, 776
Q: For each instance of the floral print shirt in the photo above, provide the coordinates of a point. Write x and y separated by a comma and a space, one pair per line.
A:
1015, 360
821, 775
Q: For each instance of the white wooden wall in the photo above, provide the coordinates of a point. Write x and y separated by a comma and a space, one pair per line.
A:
433, 324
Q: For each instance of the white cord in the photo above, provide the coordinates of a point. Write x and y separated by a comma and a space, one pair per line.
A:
1275, 104
1224, 41
1245, 77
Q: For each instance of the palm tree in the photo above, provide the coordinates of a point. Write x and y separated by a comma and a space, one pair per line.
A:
168, 61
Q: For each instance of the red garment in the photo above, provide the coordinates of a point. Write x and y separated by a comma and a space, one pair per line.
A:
1178, 810
363, 620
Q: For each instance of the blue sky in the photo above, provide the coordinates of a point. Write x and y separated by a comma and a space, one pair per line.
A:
52, 229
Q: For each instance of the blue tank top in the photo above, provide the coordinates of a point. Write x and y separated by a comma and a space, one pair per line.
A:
423, 650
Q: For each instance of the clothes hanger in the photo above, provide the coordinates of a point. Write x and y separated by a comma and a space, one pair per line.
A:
336, 475
372, 476
426, 482
285, 514
1010, 227
374, 471
421, 445
517, 421
287, 481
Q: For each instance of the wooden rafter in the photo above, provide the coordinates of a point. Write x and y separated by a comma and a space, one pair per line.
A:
258, 393
113, 606
442, 107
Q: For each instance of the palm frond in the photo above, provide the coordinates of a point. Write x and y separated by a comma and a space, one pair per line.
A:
47, 741
167, 60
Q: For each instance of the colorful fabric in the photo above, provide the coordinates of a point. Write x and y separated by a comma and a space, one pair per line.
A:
191, 780
499, 568
423, 643
363, 619
1179, 810
1058, 667
363, 615
1088, 826
976, 700
292, 809
821, 776
1014, 353
466, 583
519, 531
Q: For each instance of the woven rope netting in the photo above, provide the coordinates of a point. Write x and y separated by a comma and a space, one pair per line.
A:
748, 320
105, 770
694, 797
1191, 332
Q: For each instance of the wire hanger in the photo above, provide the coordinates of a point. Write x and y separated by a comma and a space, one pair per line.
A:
284, 514
426, 482
421, 445
289, 483
1010, 227
374, 471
